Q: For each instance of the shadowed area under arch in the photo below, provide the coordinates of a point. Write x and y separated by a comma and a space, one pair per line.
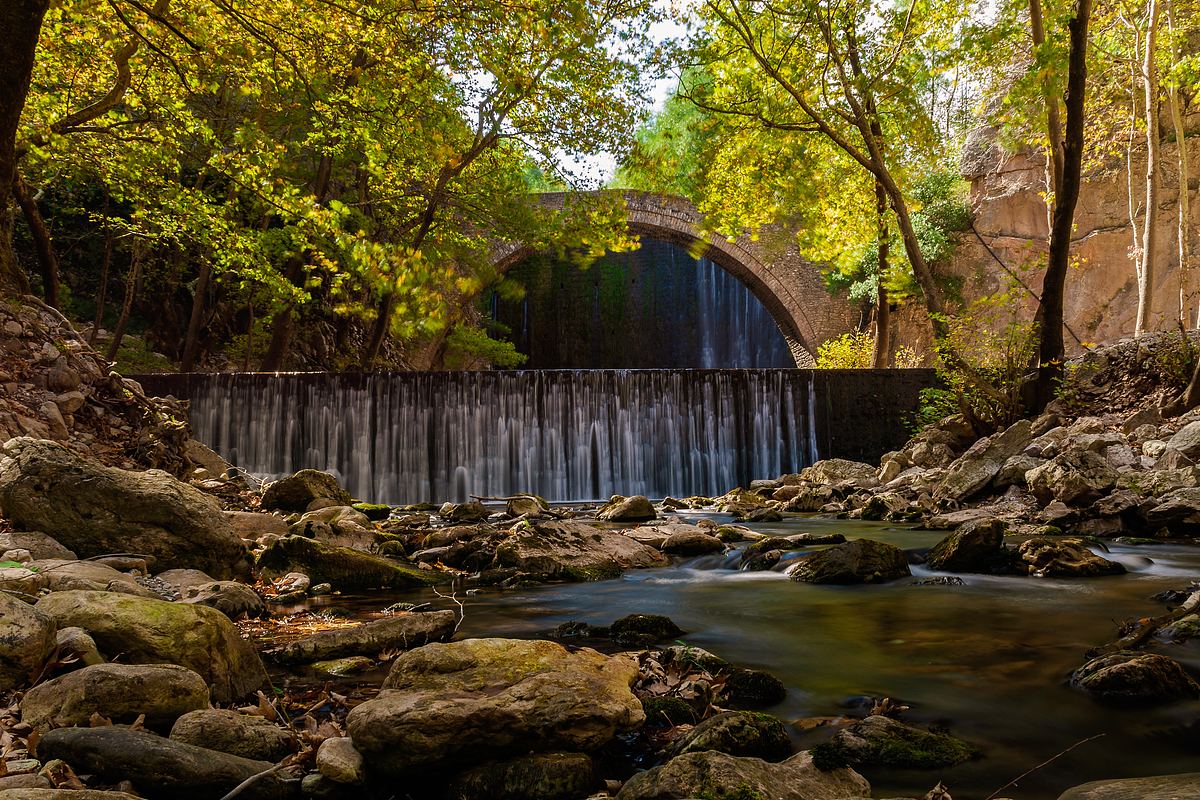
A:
789, 287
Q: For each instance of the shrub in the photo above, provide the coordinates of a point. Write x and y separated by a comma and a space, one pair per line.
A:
848, 351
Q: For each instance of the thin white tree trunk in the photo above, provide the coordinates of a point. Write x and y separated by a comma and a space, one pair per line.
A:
1184, 223
1135, 249
1150, 223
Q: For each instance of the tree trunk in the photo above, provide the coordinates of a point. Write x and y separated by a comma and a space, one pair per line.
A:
191, 341
1054, 164
133, 282
281, 326
378, 332
21, 22
1145, 305
1051, 350
1184, 221
281, 339
102, 289
42, 243
880, 357
249, 339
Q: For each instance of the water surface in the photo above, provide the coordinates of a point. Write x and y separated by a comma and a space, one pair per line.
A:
989, 659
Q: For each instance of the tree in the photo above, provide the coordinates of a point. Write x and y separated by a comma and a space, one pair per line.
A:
21, 20
829, 69
307, 161
1051, 349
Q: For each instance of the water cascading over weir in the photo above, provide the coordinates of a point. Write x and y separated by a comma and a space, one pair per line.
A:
563, 434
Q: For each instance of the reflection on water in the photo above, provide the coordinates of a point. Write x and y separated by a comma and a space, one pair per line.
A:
989, 659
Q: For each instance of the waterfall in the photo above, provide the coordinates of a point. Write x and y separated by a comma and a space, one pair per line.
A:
562, 434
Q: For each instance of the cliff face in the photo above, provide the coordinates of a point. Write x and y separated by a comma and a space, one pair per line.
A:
1101, 296
1011, 228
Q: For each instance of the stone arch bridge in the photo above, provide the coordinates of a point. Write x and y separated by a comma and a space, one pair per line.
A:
791, 288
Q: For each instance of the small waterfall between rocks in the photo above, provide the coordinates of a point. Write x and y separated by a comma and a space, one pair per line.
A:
563, 434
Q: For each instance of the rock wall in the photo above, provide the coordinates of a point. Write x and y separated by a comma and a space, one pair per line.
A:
1011, 229
53, 386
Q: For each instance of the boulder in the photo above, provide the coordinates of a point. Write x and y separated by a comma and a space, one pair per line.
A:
1157, 483
1077, 477
573, 551
375, 512
714, 774
146, 631
975, 469
94, 509
399, 632
76, 643
38, 544
159, 767
859, 561
691, 541
444, 537
975, 547
458, 704
234, 600
27, 639
463, 512
885, 505
183, 579
251, 525
1178, 510
542, 776
1187, 440
61, 576
119, 692
206, 458
1130, 677
1014, 470
22, 579
1184, 786
1052, 557
627, 509
738, 733
880, 741
643, 630
297, 493
837, 470
232, 732
341, 567
339, 761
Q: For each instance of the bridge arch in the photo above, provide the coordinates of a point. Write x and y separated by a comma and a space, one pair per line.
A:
790, 288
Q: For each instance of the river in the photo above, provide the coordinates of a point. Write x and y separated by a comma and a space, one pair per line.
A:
989, 659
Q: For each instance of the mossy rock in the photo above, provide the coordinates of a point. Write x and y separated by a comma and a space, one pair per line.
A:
341, 567
738, 733
541, 776
668, 711
376, 512
751, 688
643, 629
879, 741
340, 667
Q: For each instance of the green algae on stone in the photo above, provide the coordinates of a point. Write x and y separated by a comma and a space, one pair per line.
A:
375, 512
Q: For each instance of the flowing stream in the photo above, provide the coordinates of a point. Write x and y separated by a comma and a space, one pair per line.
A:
989, 659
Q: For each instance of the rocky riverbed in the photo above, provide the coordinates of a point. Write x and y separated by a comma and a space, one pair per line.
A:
186, 634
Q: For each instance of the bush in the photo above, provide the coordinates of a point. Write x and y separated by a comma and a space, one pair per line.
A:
848, 351
984, 359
